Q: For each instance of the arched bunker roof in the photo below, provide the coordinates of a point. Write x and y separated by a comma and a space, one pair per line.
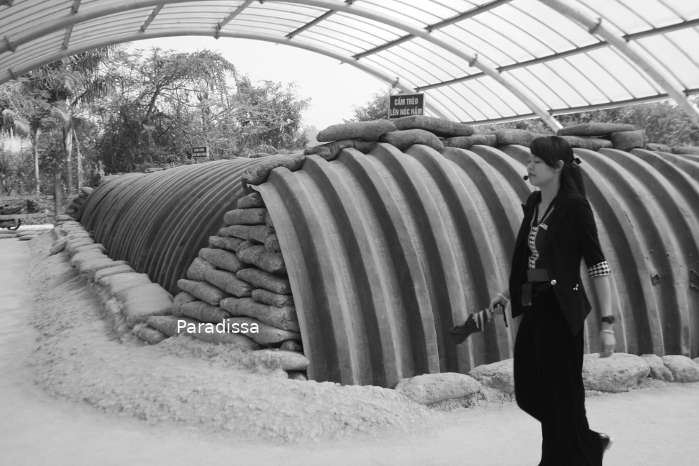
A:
477, 61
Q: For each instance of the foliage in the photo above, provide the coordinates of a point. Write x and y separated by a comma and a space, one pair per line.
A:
375, 109
170, 102
663, 121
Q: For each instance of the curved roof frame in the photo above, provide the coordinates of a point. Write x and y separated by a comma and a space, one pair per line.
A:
118, 6
394, 81
40, 25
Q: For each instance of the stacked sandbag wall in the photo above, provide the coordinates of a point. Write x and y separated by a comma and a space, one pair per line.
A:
128, 298
240, 281
77, 205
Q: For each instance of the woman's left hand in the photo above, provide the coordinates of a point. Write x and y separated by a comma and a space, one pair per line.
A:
608, 344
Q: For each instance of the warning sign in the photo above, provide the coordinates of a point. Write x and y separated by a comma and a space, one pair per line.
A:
401, 105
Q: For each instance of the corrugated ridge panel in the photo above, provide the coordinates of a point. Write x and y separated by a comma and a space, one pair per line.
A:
387, 250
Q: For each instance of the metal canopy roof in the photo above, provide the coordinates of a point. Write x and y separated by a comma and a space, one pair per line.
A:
477, 61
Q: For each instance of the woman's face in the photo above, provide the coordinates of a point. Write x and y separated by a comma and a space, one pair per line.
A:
540, 174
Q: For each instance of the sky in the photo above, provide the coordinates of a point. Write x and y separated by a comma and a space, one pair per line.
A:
335, 89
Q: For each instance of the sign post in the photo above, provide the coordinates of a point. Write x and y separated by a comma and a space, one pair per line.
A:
201, 152
401, 105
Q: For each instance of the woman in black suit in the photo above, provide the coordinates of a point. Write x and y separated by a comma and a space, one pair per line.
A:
558, 230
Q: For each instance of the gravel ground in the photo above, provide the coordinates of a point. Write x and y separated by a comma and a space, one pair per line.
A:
187, 381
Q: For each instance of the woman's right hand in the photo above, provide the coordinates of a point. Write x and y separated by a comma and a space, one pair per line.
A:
499, 300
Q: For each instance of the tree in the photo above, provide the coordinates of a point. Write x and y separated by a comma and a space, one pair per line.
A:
167, 102
375, 109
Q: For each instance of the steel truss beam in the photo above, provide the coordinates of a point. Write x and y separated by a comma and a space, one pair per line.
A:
597, 27
231, 17
152, 16
567, 53
310, 24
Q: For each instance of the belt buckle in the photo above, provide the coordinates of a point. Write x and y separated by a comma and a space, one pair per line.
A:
537, 275
527, 294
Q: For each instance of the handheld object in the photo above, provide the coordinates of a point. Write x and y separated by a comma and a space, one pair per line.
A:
475, 322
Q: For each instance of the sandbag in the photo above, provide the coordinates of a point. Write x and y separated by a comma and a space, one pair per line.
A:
89, 247
437, 126
272, 243
241, 341
688, 150
57, 246
279, 317
267, 335
403, 139
91, 266
465, 142
245, 244
258, 255
367, 130
291, 345
261, 279
72, 245
181, 298
228, 282
257, 233
201, 290
254, 199
203, 312
332, 150
594, 128
141, 302
167, 324
521, 137
657, 147
78, 259
252, 216
627, 140
587, 143
288, 360
259, 173
121, 281
148, 334
107, 271
272, 299
224, 242
196, 269
221, 259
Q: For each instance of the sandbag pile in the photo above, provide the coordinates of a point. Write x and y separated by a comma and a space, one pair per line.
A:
129, 298
401, 132
238, 285
77, 205
439, 134
597, 135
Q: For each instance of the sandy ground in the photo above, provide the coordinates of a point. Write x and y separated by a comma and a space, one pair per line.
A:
655, 426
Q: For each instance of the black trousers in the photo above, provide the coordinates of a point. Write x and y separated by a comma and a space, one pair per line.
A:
549, 387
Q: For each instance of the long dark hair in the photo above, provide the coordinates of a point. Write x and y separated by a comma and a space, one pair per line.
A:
551, 149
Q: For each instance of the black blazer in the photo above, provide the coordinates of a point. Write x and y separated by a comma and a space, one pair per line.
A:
571, 236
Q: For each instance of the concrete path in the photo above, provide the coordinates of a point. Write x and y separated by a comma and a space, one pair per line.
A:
654, 427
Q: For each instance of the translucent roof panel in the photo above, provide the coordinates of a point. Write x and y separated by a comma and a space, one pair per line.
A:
476, 60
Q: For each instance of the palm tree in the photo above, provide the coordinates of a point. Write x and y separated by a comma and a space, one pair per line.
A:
65, 85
